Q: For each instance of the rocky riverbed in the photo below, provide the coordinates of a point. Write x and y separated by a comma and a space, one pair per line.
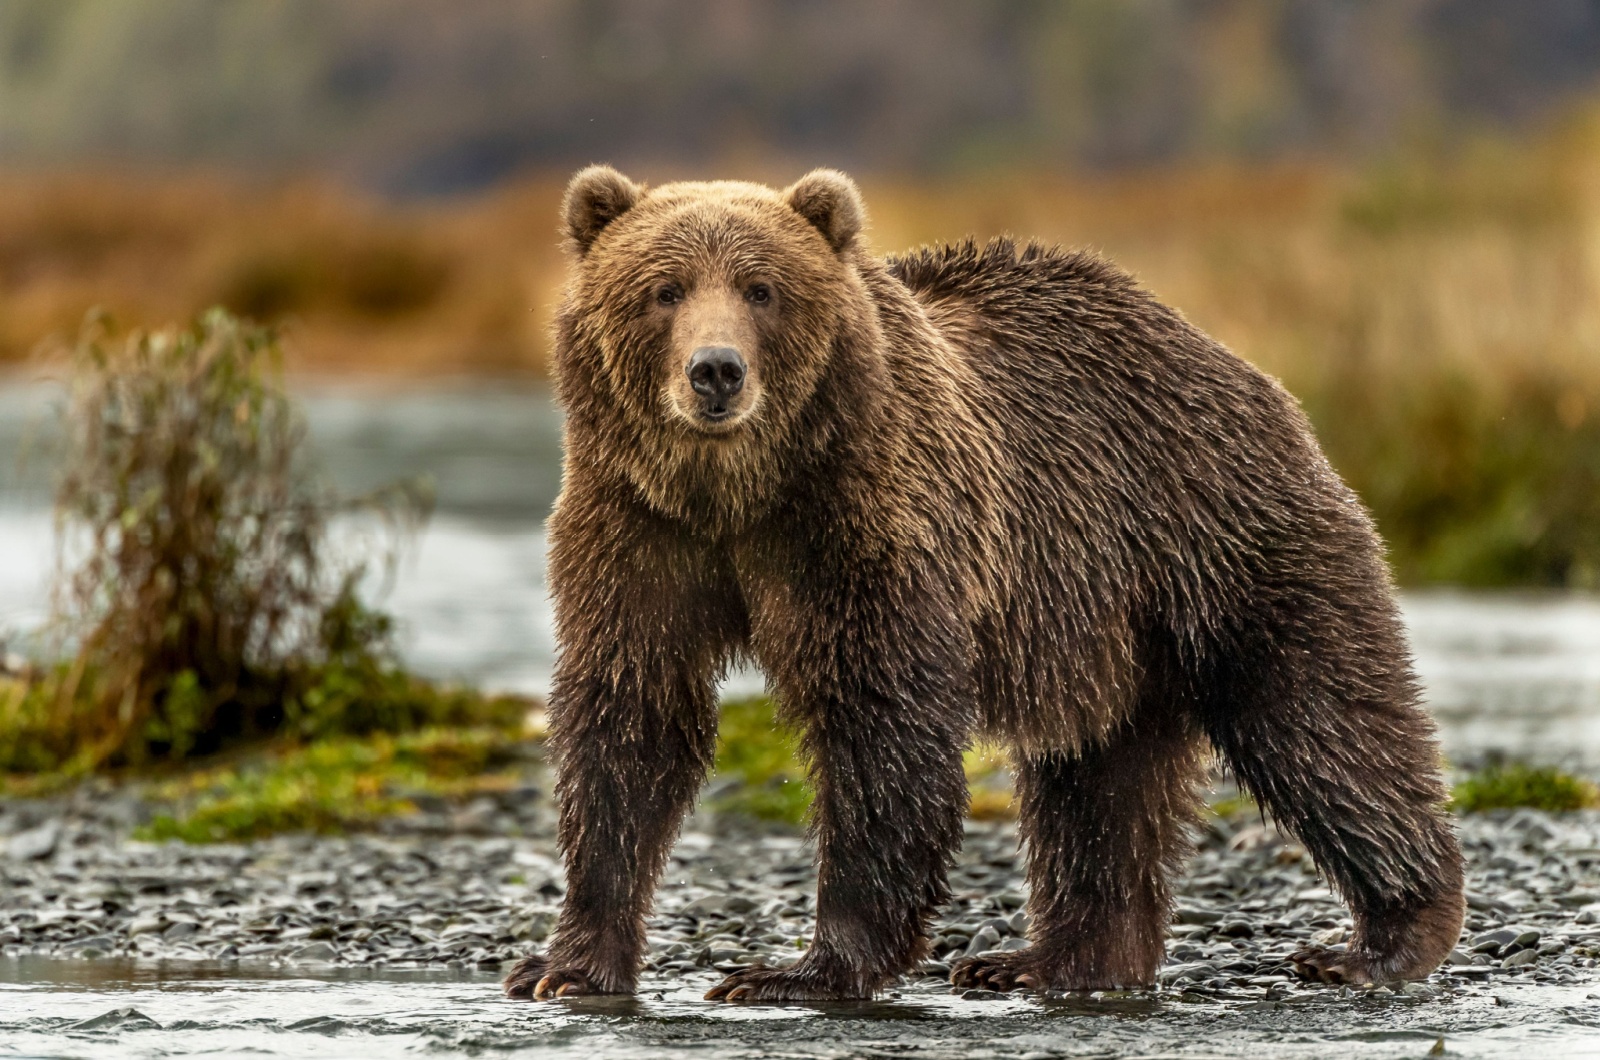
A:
479, 885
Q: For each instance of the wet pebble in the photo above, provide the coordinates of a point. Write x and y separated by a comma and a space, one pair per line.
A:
732, 896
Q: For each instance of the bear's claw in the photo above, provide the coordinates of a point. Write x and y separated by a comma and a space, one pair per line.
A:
1334, 964
532, 979
520, 982
1002, 972
778, 984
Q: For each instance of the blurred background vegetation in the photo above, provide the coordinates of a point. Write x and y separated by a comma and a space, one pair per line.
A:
1391, 205
1394, 207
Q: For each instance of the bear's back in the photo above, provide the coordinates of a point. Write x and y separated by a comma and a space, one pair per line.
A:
1130, 435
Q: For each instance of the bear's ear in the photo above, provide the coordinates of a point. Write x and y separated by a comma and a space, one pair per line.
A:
829, 199
597, 196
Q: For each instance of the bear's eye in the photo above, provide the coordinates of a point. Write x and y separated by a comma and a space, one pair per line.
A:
759, 293
669, 294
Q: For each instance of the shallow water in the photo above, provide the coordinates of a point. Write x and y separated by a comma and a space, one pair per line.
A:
118, 1009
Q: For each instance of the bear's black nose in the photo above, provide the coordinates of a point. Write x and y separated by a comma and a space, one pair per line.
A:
716, 371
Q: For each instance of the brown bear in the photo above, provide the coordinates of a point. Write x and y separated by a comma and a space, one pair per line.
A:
967, 492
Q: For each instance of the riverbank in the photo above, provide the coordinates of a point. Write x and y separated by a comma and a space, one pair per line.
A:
478, 884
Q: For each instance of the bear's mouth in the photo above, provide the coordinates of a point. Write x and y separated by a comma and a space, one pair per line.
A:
716, 413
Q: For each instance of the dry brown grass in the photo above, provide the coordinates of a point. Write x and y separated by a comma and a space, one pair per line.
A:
359, 286
1439, 315
1487, 261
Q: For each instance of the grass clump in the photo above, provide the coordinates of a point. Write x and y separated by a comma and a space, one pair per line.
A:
197, 590
1506, 786
1473, 484
335, 785
762, 755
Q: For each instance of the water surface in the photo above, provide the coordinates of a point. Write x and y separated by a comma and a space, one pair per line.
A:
95, 1009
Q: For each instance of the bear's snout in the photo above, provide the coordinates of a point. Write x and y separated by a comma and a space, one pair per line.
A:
716, 373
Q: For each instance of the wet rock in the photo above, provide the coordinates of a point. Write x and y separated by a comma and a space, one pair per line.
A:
1197, 971
317, 952
146, 925
1491, 941
413, 897
95, 946
127, 1018
35, 843
1486, 903
710, 905
1192, 914
986, 939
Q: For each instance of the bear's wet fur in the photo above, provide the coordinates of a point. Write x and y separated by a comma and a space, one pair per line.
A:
991, 491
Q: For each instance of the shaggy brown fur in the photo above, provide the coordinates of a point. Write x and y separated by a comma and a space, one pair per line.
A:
972, 490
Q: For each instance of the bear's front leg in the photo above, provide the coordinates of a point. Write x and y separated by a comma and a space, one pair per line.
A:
644, 623
890, 799
885, 713
628, 769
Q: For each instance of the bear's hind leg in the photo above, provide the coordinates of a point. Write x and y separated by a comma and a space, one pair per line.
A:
1319, 721
1105, 829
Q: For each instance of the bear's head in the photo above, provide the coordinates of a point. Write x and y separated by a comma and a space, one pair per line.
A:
702, 319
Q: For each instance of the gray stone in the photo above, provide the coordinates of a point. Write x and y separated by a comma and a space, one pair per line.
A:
35, 843
1192, 914
126, 1018
317, 952
986, 939
1491, 941
1196, 971
146, 925
94, 946
710, 905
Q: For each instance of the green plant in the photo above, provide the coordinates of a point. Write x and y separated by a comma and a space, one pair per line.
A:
756, 749
195, 587
1472, 484
199, 537
1504, 786
763, 755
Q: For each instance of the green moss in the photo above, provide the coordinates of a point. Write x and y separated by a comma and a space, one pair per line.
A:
335, 785
1504, 787
1235, 806
764, 757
